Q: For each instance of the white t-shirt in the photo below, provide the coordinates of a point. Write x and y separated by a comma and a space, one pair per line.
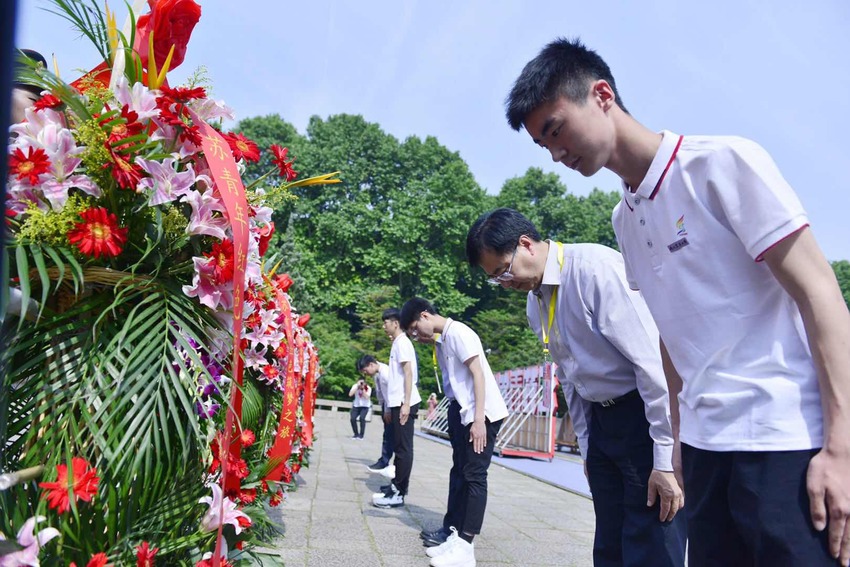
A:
362, 398
692, 236
455, 346
402, 351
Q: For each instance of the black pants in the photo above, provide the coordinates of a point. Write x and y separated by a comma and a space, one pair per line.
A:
456, 507
403, 447
387, 443
358, 414
619, 461
751, 508
475, 465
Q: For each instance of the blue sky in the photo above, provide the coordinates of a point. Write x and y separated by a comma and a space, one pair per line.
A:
775, 71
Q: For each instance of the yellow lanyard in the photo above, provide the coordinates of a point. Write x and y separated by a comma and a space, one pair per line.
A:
546, 331
436, 374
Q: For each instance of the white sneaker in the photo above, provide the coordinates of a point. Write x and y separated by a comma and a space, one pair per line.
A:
443, 547
460, 554
392, 499
388, 472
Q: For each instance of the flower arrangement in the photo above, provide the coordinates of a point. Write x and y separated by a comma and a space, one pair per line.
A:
158, 371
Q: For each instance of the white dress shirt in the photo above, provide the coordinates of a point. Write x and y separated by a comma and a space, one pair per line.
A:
381, 383
456, 345
402, 351
603, 340
692, 235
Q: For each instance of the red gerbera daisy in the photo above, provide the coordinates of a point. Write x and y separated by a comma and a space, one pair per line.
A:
47, 101
99, 234
145, 555
126, 173
222, 255
123, 126
284, 167
276, 498
247, 495
270, 372
183, 94
247, 437
98, 560
82, 483
242, 147
30, 165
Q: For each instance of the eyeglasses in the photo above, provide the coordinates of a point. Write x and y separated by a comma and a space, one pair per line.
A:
505, 276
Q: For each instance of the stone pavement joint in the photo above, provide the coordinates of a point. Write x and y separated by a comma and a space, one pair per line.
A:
330, 521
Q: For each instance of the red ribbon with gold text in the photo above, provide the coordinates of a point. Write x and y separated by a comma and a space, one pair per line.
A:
282, 447
226, 179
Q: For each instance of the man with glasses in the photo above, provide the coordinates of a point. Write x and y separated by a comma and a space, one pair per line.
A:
605, 344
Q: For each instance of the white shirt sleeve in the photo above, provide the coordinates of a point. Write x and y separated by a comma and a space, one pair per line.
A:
625, 321
406, 352
759, 205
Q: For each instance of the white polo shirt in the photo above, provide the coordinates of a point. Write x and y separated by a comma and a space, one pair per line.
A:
382, 383
402, 351
456, 345
692, 236
603, 340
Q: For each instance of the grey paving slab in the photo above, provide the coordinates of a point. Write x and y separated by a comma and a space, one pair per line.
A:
329, 521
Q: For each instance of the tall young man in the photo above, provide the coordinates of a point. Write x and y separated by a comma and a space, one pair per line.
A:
481, 410
403, 399
605, 345
368, 365
756, 336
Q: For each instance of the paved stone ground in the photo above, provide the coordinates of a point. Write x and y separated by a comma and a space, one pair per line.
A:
331, 522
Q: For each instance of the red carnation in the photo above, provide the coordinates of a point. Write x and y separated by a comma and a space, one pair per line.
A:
30, 165
99, 234
145, 555
242, 147
82, 483
284, 167
47, 101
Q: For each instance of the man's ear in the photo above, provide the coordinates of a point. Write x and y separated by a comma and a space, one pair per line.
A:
603, 93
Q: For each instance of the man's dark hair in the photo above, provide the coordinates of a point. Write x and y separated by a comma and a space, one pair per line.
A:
412, 309
563, 68
391, 314
498, 232
365, 361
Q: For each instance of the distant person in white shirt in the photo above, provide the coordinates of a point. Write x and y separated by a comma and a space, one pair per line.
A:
756, 334
481, 410
362, 394
605, 344
403, 399
368, 365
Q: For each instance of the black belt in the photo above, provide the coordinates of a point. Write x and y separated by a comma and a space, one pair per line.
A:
621, 399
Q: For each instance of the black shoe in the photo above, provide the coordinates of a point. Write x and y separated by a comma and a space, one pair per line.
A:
435, 538
377, 466
386, 488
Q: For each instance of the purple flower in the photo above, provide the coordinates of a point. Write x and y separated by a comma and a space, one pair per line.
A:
165, 182
202, 220
222, 511
31, 542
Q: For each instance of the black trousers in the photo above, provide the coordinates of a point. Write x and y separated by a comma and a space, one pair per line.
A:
358, 415
403, 447
387, 443
619, 460
475, 465
456, 507
751, 508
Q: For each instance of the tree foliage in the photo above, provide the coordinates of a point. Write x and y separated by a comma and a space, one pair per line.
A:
842, 274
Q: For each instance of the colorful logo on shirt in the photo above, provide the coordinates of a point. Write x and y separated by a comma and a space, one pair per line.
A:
680, 227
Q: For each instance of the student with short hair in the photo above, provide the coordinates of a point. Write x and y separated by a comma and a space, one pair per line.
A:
756, 335
403, 399
480, 409
602, 338
362, 394
368, 365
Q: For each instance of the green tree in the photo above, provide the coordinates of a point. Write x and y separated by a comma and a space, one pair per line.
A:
842, 274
